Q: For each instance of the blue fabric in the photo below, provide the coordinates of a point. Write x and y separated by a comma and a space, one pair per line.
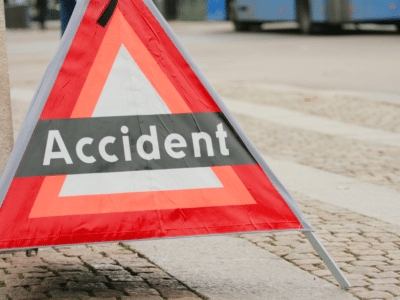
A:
66, 9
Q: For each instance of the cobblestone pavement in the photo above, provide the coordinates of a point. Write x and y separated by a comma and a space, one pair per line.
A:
106, 271
367, 250
366, 161
336, 106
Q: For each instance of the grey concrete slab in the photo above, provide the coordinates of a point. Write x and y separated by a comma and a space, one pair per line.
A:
227, 267
354, 61
292, 118
364, 198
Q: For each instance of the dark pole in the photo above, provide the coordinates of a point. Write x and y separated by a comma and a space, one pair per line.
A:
66, 9
171, 12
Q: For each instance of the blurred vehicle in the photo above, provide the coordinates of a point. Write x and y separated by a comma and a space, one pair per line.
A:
311, 15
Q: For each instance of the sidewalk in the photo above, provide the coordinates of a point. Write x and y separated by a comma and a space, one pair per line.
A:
346, 185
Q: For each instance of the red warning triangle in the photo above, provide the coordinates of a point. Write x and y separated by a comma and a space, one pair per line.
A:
124, 141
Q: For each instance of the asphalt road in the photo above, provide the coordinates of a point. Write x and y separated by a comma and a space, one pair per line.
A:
363, 61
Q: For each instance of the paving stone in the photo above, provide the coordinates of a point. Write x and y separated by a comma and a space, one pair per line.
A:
78, 250
75, 275
62, 260
185, 298
19, 270
68, 268
4, 290
45, 288
369, 263
294, 256
82, 277
344, 259
110, 249
68, 294
123, 278
307, 261
385, 246
372, 257
141, 297
374, 295
125, 260
391, 288
130, 286
137, 270
5, 255
106, 267
356, 277
4, 265
118, 272
359, 283
322, 273
361, 269
38, 275
21, 293
354, 290
54, 280
155, 275
103, 298
73, 286
98, 259
23, 282
384, 281
310, 268
136, 262
27, 262
175, 293
384, 275
108, 293
141, 291
393, 256
285, 242
305, 248
389, 268
367, 252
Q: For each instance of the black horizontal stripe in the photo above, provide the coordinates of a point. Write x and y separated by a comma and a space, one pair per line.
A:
73, 130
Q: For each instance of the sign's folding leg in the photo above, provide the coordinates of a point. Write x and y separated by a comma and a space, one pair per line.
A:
328, 260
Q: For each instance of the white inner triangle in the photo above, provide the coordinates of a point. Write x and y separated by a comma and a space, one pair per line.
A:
128, 92
139, 181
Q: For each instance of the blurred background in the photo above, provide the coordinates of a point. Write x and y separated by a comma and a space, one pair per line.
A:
311, 15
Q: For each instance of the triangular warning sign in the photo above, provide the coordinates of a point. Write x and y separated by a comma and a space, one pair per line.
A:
126, 140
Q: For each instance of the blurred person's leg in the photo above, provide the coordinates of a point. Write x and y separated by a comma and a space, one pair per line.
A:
42, 7
66, 9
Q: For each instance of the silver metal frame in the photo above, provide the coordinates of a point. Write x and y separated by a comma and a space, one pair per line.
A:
327, 259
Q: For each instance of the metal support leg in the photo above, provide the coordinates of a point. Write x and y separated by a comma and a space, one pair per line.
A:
327, 259
30, 251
